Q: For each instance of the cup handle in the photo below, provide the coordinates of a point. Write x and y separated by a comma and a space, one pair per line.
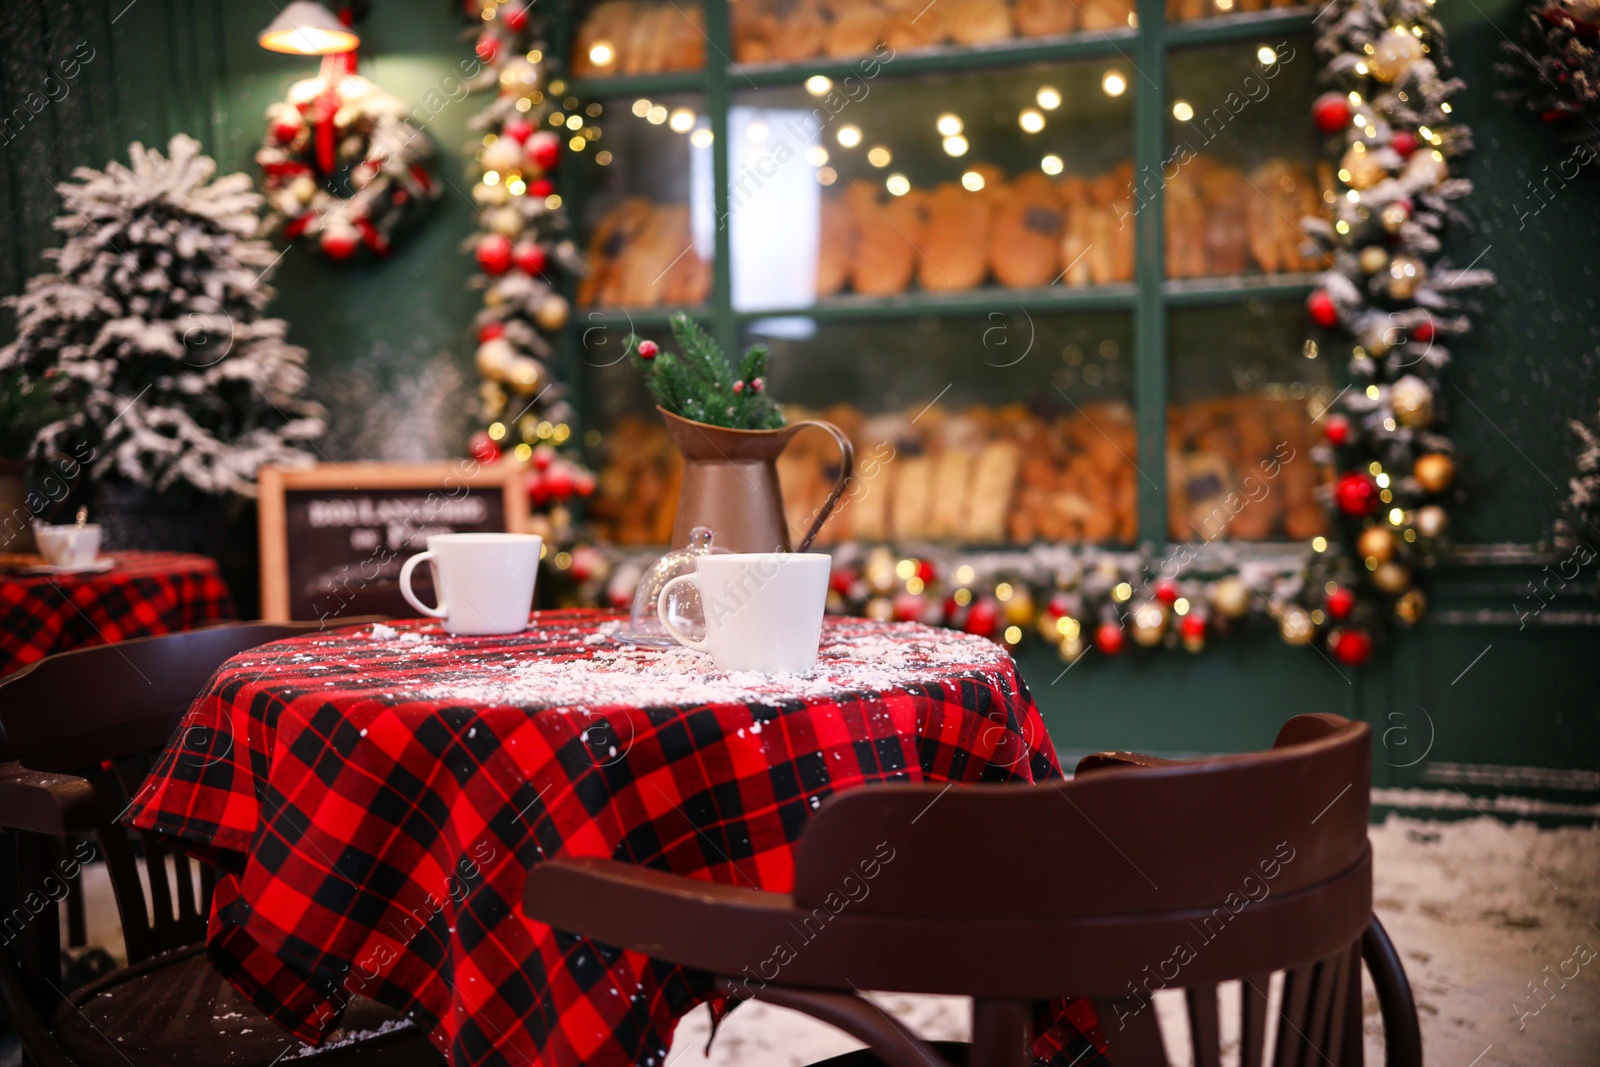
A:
661, 613
405, 587
847, 458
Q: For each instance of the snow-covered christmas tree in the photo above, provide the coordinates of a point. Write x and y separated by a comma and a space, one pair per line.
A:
151, 330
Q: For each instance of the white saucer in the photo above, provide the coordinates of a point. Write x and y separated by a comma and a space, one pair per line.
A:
99, 566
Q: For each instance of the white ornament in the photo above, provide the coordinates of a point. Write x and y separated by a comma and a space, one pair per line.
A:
502, 156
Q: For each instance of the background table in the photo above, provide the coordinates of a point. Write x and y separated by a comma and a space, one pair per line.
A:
376, 796
145, 594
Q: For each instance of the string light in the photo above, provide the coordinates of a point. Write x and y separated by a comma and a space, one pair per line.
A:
1266, 55
1048, 97
948, 125
817, 156
656, 115
817, 85
955, 146
972, 181
1114, 83
1051, 164
641, 107
602, 54
701, 138
682, 120
849, 136
1031, 121
1182, 111
879, 156
897, 184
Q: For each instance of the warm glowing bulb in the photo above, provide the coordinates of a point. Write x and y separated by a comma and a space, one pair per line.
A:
1049, 98
955, 146
1031, 121
641, 107
1114, 83
972, 181
948, 125
849, 136
1182, 111
1266, 55
827, 175
879, 156
897, 184
817, 85
602, 54
682, 120
656, 115
816, 155
1051, 164
701, 138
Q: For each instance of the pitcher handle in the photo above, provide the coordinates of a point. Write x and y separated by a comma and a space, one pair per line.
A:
847, 466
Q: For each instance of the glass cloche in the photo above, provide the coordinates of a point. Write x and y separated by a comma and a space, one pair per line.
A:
644, 626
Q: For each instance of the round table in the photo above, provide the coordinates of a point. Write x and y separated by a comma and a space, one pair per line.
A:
143, 594
375, 797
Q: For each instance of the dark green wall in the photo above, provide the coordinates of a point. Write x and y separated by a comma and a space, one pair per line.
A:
390, 356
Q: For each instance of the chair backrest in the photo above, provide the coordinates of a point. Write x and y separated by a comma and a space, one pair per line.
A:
1254, 863
103, 714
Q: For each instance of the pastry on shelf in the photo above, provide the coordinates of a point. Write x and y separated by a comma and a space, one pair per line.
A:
887, 236
1025, 232
914, 25
857, 28
1044, 18
836, 245
976, 21
639, 37
955, 240
1104, 14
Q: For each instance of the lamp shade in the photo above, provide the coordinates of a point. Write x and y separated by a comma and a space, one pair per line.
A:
305, 28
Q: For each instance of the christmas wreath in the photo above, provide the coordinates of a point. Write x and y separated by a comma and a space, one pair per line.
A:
343, 164
1555, 71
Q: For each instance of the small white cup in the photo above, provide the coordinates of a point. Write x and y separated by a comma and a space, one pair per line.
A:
763, 609
484, 581
68, 546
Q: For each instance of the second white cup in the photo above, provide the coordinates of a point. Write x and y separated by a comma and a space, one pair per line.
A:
763, 610
484, 581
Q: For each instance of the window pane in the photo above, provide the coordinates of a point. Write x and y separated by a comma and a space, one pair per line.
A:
786, 31
1015, 178
992, 429
1244, 390
627, 37
1243, 168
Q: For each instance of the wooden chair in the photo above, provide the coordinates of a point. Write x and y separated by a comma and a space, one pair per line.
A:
1138, 874
80, 731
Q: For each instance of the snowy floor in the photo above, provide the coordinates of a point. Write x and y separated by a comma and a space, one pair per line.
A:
1482, 912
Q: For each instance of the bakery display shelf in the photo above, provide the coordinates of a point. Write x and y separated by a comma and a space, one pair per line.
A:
970, 302
626, 318
1241, 27
939, 59
1191, 291
677, 81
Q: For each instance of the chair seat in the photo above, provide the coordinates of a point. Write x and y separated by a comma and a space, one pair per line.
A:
178, 1010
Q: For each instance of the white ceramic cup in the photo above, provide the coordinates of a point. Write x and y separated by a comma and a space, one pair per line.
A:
763, 609
484, 580
68, 546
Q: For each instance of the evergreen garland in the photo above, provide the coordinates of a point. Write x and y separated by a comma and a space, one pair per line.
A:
1555, 71
700, 384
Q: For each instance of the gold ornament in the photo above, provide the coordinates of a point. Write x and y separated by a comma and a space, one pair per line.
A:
1425, 169
880, 609
1432, 520
524, 374
1362, 166
1231, 597
502, 156
519, 76
1374, 258
495, 358
1434, 471
1072, 648
879, 570
1411, 606
1296, 626
1376, 542
1412, 401
1406, 275
1393, 216
1018, 610
1392, 577
490, 195
1393, 52
552, 314
1149, 623
506, 221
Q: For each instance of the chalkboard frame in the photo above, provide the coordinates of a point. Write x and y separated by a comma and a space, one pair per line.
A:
449, 477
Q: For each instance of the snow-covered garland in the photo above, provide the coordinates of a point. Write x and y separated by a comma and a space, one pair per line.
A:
151, 330
524, 250
1579, 524
1555, 71
343, 164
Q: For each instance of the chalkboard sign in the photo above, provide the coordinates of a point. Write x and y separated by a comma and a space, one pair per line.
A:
334, 535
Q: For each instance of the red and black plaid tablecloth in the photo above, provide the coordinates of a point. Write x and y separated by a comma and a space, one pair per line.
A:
376, 796
145, 594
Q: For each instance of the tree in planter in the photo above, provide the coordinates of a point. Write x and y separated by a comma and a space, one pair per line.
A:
150, 333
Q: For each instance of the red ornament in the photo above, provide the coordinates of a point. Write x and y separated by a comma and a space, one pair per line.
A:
1323, 311
1404, 143
286, 131
983, 618
482, 448
1423, 331
518, 129
908, 607
530, 258
515, 18
648, 350
543, 456
1341, 602
925, 571
340, 244
1350, 647
1337, 429
491, 330
488, 48
842, 582
1110, 638
1331, 112
559, 482
1356, 494
1193, 626
494, 254
541, 188
544, 148
1167, 591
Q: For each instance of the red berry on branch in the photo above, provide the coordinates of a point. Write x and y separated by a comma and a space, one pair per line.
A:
1356, 494
757, 384
1110, 638
1323, 311
649, 350
544, 148
1404, 143
1167, 591
530, 258
493, 254
738, 387
518, 129
1350, 647
1341, 602
1331, 112
1337, 430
